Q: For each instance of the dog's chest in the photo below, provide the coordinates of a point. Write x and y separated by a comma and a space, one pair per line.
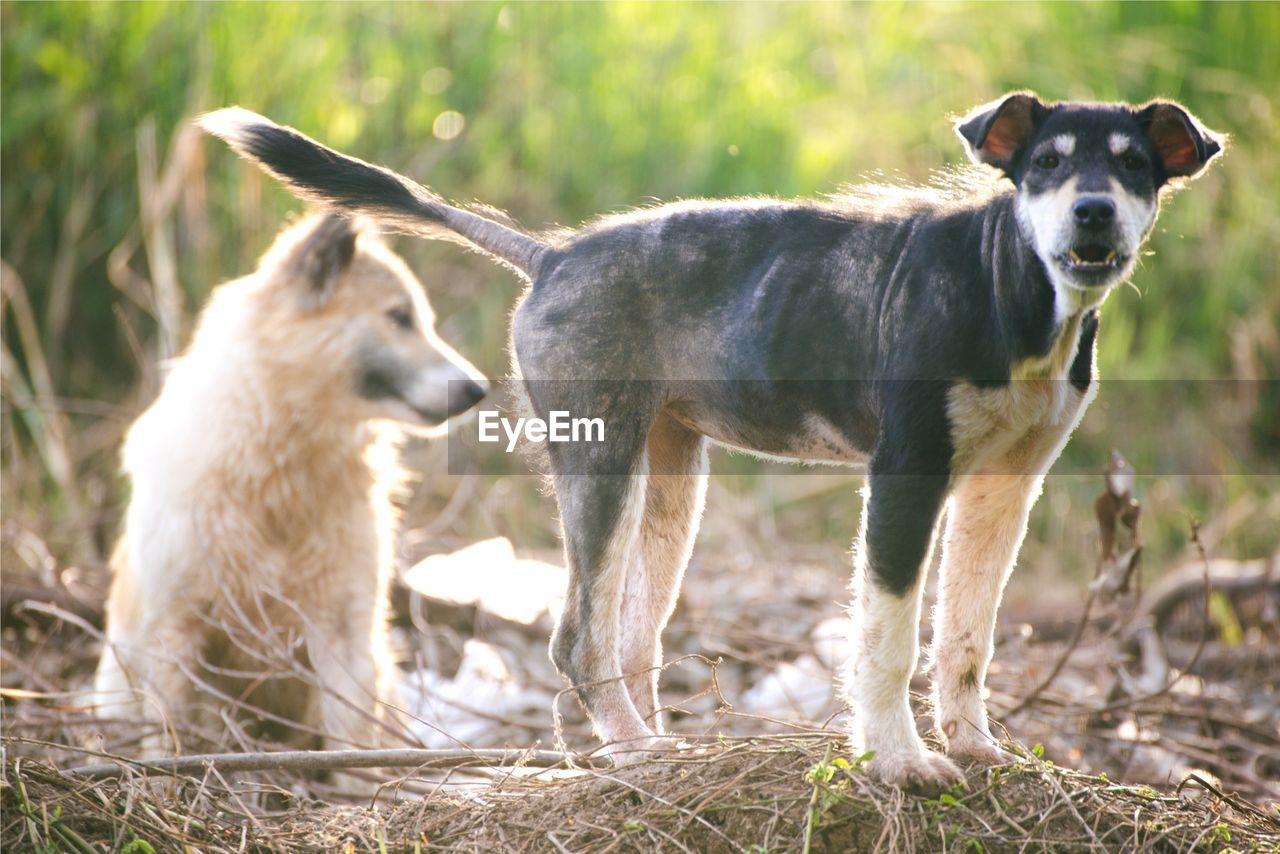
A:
1018, 427
1013, 429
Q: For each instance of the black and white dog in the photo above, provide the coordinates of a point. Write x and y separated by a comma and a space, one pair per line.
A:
943, 336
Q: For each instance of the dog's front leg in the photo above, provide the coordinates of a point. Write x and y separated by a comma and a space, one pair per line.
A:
899, 519
985, 527
348, 704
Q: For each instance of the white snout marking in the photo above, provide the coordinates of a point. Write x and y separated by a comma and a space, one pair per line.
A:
1065, 144
1134, 218
1046, 221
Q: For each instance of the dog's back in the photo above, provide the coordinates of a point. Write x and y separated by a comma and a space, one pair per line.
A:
258, 545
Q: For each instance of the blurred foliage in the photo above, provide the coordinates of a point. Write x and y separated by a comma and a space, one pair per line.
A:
557, 112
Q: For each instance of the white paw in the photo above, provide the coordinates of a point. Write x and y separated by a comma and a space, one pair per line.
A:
980, 751
922, 772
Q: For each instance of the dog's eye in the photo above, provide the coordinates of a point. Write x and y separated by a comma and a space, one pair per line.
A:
402, 318
1132, 162
1047, 161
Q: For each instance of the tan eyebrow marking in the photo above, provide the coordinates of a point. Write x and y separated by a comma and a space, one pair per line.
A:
1065, 144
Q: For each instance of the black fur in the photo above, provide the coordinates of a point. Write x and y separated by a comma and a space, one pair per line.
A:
1081, 374
321, 174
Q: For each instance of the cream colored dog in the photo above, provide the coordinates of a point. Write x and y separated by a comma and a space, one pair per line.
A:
253, 572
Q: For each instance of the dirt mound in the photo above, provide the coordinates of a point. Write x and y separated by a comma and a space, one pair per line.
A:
766, 794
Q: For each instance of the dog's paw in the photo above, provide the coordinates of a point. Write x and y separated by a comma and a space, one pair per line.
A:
923, 773
979, 751
636, 750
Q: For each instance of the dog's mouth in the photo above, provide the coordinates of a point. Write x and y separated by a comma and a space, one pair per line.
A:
1091, 258
427, 417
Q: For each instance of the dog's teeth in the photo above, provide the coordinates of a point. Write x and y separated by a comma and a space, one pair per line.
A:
1075, 258
1111, 256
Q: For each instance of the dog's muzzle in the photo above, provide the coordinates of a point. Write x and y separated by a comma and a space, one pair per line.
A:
1093, 255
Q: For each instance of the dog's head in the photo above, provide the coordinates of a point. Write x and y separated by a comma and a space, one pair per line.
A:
346, 322
1089, 177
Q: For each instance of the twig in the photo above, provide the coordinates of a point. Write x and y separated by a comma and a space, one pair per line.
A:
1200, 645
322, 760
1236, 804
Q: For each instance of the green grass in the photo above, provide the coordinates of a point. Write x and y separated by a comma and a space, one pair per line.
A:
575, 109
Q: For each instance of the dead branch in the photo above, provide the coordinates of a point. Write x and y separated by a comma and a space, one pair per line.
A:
1226, 576
322, 760
1118, 514
19, 598
1200, 644
1031, 698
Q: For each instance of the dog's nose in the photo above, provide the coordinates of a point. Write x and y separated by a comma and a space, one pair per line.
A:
464, 394
1094, 211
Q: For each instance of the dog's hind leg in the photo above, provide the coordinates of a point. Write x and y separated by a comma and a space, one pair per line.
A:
674, 497
985, 526
601, 493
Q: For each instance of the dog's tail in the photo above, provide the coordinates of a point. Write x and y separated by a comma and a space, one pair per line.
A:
323, 175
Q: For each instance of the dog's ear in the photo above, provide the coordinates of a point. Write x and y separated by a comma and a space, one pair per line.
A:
994, 133
1183, 145
319, 260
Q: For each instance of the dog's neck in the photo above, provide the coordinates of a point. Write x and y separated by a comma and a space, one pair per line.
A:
281, 416
1039, 318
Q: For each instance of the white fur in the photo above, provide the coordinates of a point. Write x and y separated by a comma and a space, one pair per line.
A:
1119, 143
822, 441
1005, 440
1135, 216
259, 536
636, 586
986, 522
1065, 144
674, 498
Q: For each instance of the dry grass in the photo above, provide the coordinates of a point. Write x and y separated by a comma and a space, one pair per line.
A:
752, 794
1201, 702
